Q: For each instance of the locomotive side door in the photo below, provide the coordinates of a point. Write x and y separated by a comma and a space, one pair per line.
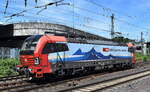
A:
56, 54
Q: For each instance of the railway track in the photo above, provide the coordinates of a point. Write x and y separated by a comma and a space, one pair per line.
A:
11, 78
21, 84
12, 81
103, 84
25, 87
70, 84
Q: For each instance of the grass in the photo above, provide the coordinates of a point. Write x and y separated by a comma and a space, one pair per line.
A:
141, 57
7, 67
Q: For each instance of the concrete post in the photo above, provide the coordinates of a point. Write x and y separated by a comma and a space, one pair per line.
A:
144, 49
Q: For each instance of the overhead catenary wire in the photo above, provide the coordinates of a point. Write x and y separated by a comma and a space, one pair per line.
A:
109, 9
133, 25
84, 10
96, 13
123, 21
83, 25
87, 10
7, 3
56, 2
85, 17
41, 6
86, 26
75, 15
25, 3
59, 1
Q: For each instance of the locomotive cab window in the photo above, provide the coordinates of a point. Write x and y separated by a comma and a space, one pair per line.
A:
54, 47
29, 45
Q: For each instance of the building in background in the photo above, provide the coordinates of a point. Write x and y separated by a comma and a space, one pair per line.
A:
13, 35
145, 48
6, 52
148, 47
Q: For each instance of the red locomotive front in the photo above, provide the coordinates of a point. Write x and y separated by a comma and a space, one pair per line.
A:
33, 62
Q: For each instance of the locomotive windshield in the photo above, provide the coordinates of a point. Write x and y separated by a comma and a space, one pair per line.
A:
29, 45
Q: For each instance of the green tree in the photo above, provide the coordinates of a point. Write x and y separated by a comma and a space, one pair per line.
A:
122, 39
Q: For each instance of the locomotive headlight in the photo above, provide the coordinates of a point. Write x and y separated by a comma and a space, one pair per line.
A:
30, 69
17, 68
36, 61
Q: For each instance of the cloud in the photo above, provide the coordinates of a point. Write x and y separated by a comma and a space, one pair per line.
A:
63, 14
1, 22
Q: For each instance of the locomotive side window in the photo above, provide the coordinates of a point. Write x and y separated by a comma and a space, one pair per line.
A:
54, 47
138, 48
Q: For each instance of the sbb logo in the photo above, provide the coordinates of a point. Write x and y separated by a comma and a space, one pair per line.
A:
105, 49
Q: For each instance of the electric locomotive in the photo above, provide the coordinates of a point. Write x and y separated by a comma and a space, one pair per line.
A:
43, 55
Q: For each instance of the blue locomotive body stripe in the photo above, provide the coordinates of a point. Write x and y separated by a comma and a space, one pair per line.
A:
79, 52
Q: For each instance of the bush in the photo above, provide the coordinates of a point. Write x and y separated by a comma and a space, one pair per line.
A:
7, 67
141, 57
145, 59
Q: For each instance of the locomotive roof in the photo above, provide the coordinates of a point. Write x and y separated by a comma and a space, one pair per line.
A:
98, 42
87, 41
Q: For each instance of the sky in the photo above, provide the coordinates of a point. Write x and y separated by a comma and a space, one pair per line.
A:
131, 16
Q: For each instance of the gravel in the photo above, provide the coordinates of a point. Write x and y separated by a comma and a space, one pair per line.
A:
139, 85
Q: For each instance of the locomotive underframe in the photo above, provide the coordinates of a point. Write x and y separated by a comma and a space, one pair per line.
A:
78, 66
